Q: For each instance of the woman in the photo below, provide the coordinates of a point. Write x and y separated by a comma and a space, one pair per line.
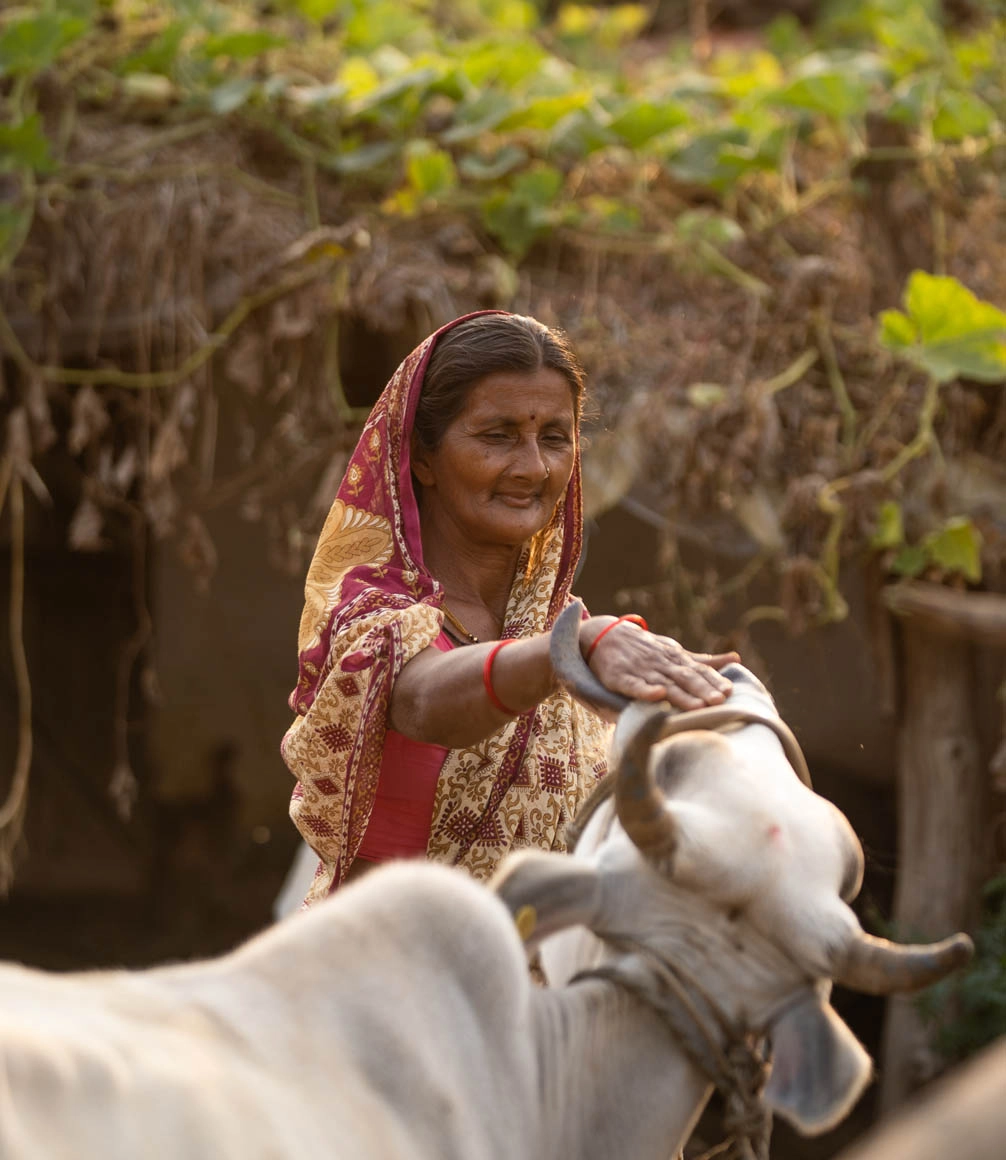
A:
429, 720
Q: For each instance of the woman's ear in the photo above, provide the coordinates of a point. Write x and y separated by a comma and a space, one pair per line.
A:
419, 461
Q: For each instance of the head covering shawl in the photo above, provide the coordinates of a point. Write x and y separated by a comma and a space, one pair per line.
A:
370, 607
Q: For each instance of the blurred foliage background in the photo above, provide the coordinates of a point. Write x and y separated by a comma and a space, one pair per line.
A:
173, 170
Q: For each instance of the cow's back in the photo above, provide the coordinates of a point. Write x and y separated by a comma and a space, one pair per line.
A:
391, 1021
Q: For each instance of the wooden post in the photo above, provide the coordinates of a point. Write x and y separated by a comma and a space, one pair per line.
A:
943, 796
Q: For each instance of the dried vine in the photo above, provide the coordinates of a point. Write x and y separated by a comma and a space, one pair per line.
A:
12, 810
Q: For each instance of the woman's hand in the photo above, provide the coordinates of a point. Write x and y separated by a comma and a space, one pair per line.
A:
647, 667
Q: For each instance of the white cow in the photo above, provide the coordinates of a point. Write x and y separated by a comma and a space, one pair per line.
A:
713, 886
396, 1021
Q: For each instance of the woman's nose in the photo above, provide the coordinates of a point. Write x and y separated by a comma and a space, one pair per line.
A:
531, 464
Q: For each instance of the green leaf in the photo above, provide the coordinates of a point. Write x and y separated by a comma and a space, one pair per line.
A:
538, 186
720, 158
978, 357
507, 63
890, 529
503, 161
639, 121
511, 15
240, 45
914, 99
33, 44
411, 83
383, 22
947, 330
358, 77
896, 330
978, 53
25, 146
699, 160
785, 37
473, 119
943, 310
362, 159
575, 20
231, 95
160, 55
317, 10
430, 171
15, 221
544, 112
703, 225
962, 115
910, 561
956, 547
581, 133
912, 38
508, 220
622, 23
750, 75
607, 28
611, 214
517, 217
828, 90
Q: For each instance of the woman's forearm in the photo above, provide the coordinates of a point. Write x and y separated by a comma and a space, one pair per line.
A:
441, 698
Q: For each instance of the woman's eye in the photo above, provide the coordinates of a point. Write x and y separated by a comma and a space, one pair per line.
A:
556, 439
497, 437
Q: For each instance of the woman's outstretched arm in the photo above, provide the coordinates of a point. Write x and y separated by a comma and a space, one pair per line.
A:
441, 697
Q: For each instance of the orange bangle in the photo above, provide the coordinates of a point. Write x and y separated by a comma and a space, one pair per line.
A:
487, 679
597, 639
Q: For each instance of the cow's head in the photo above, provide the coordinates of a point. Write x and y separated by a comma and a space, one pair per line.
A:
714, 852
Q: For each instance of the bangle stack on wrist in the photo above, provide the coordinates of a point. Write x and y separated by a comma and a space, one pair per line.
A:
632, 616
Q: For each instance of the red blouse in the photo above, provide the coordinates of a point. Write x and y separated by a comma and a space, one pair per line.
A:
400, 821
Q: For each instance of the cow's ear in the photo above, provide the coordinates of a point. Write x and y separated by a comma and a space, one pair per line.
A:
819, 1068
546, 893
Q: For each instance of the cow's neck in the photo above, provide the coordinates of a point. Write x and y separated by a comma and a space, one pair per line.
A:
744, 972
613, 1080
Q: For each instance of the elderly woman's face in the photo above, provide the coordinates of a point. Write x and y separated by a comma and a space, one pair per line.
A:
503, 464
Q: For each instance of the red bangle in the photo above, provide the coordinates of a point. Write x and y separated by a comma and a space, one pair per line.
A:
487, 679
607, 628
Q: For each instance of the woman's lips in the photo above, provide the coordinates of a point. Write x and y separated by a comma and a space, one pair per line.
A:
518, 501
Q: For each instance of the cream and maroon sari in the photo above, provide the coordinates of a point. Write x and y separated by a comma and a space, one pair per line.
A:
371, 606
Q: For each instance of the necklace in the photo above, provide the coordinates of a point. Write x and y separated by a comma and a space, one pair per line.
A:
458, 625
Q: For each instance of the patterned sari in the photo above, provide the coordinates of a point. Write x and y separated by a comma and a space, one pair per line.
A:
370, 607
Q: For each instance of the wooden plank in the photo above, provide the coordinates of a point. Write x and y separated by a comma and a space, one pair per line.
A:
943, 801
974, 616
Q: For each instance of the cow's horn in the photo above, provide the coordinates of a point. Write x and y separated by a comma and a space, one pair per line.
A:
879, 967
642, 808
571, 668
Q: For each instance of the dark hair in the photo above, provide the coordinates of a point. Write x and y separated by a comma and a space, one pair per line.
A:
484, 346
